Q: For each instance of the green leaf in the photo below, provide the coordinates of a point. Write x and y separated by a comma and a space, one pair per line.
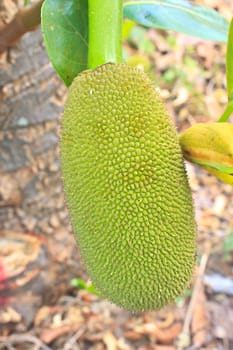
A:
78, 283
81, 284
127, 28
65, 30
227, 112
229, 62
178, 15
223, 168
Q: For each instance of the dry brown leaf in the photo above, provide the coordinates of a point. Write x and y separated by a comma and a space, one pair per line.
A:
94, 337
182, 97
10, 194
44, 312
48, 335
219, 205
164, 335
110, 341
18, 250
74, 315
122, 345
164, 347
168, 335
41, 315
9, 315
166, 322
87, 297
133, 335
145, 347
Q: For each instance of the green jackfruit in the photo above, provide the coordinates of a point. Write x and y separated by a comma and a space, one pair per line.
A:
126, 188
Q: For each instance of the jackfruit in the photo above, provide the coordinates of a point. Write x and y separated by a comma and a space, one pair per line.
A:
126, 188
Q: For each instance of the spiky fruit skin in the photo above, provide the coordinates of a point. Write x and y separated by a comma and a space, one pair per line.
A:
126, 188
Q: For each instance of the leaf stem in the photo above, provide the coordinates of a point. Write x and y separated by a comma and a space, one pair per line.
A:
105, 32
229, 60
227, 113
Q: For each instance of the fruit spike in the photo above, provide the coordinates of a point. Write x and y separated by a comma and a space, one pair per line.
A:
126, 188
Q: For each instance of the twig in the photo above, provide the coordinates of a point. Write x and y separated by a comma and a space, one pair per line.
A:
24, 338
8, 346
25, 20
36, 347
71, 342
185, 334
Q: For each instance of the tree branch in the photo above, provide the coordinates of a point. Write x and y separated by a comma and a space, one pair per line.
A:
25, 20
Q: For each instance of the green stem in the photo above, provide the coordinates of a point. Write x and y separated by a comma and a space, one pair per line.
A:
105, 32
229, 59
227, 113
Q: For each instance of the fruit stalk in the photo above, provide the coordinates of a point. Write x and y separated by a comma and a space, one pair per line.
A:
105, 32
